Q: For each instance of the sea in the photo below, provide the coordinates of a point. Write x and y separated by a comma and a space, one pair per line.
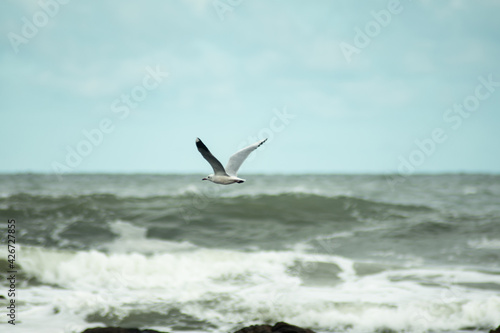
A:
333, 253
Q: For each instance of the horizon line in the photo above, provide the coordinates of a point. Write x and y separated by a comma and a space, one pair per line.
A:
340, 173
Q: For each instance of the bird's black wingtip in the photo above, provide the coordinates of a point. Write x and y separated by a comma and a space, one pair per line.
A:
200, 144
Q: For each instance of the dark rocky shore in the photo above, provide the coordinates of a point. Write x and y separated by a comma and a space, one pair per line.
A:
497, 330
278, 328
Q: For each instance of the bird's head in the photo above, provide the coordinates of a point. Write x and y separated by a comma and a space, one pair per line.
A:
209, 177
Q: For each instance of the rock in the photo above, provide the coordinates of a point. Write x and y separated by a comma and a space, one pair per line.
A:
280, 327
117, 330
255, 329
497, 330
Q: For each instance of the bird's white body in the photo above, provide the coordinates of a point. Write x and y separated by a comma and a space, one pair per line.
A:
224, 180
221, 175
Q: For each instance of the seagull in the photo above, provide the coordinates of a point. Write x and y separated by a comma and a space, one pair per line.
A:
228, 175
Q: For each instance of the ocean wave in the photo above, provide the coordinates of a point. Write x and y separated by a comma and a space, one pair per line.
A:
224, 288
107, 207
85, 221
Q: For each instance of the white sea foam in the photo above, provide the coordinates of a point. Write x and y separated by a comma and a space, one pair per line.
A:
132, 238
226, 287
255, 188
484, 243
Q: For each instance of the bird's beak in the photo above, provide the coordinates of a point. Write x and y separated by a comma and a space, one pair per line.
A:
204, 179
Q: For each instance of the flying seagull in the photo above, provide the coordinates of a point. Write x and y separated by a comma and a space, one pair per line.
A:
228, 175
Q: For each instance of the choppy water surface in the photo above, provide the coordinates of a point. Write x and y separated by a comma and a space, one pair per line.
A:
334, 253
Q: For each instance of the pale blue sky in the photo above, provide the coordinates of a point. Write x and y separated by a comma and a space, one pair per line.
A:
361, 83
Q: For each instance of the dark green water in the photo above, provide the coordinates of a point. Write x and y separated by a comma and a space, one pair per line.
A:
330, 252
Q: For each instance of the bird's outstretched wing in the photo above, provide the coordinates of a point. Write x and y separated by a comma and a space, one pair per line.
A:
239, 157
216, 165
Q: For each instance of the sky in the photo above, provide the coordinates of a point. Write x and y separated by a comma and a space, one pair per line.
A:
336, 86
